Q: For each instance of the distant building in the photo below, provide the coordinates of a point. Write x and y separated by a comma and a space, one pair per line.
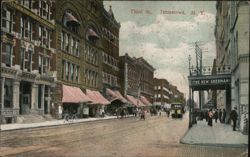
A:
162, 92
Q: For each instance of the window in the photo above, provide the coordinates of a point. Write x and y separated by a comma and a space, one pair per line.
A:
7, 54
22, 53
44, 36
76, 73
44, 10
28, 60
62, 40
22, 27
72, 66
63, 69
26, 3
66, 42
72, 45
70, 22
77, 48
8, 93
6, 20
40, 66
66, 70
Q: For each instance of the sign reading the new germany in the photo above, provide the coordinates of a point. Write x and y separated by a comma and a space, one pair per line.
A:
210, 81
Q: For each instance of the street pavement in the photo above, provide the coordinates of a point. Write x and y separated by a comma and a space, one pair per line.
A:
16, 126
219, 134
129, 137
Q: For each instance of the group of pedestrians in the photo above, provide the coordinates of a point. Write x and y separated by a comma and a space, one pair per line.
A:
221, 115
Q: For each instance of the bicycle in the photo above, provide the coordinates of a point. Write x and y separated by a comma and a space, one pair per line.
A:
70, 117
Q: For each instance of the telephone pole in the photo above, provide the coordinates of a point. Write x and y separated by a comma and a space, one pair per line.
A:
198, 52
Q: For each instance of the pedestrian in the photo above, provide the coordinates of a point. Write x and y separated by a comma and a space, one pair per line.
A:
142, 114
215, 115
234, 117
220, 114
210, 118
168, 112
206, 115
122, 113
224, 114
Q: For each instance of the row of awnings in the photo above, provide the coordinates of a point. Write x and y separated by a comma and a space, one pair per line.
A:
76, 95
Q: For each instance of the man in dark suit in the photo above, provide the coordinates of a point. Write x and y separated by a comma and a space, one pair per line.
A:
234, 117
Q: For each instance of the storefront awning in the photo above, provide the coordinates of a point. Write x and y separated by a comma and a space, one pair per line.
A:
120, 96
134, 101
96, 97
74, 95
115, 95
145, 101
71, 20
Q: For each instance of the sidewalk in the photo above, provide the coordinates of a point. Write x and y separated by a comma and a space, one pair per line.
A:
217, 135
16, 126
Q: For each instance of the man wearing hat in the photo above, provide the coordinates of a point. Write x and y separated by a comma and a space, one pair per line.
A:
234, 117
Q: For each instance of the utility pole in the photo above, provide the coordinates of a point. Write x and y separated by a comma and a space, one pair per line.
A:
198, 52
190, 102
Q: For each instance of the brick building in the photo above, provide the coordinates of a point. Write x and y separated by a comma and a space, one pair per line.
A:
162, 92
81, 44
28, 59
136, 80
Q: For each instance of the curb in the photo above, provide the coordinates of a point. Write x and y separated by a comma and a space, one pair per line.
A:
184, 135
217, 144
58, 125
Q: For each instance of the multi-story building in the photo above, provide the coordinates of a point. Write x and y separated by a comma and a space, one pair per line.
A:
162, 92
28, 58
53, 58
110, 61
176, 95
81, 42
232, 48
136, 80
146, 79
110, 54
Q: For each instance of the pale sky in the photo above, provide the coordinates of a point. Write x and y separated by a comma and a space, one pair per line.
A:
165, 40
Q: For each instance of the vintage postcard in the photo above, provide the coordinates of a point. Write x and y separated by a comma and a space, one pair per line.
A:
97, 78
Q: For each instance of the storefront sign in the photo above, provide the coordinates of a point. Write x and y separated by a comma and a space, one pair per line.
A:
216, 81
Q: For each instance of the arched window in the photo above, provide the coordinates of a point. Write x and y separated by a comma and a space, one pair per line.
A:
91, 35
71, 22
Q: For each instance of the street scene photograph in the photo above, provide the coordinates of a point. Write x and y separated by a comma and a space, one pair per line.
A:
109, 78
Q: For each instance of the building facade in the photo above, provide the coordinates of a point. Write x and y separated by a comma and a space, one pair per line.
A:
136, 79
146, 79
162, 92
27, 58
82, 47
232, 48
48, 51
110, 54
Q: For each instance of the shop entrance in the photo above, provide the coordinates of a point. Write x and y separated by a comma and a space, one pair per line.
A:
25, 98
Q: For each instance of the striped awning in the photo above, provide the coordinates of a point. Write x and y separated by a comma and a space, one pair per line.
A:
74, 95
96, 97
